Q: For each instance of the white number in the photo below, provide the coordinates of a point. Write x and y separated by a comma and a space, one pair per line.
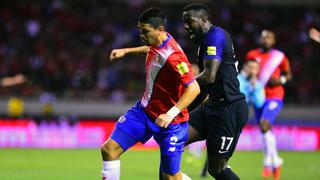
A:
224, 138
236, 65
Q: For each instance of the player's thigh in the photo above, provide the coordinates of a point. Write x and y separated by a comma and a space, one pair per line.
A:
196, 129
131, 128
225, 124
270, 110
171, 141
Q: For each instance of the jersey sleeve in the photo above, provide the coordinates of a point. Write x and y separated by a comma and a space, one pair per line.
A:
285, 65
214, 45
182, 68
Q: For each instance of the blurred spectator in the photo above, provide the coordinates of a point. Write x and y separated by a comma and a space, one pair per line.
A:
15, 107
61, 46
47, 100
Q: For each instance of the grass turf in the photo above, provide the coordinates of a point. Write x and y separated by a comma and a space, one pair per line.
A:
78, 164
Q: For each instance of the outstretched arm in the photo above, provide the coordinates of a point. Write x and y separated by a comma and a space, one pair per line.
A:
314, 34
185, 100
119, 53
12, 81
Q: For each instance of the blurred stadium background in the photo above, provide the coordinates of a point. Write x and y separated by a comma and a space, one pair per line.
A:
52, 125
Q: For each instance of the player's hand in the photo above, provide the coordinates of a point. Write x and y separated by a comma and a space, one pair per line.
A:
163, 120
19, 79
253, 81
117, 53
274, 81
314, 35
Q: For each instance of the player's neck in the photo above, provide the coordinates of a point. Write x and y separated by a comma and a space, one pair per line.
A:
161, 39
207, 27
264, 49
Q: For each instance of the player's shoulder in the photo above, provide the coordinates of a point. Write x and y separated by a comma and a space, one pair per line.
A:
254, 52
177, 56
277, 51
176, 47
171, 50
216, 31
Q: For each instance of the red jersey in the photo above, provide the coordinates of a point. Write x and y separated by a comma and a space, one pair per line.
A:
168, 71
272, 63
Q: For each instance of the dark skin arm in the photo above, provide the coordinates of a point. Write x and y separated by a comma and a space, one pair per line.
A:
206, 77
209, 73
199, 99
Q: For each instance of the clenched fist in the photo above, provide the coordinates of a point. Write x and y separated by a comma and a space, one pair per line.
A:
117, 53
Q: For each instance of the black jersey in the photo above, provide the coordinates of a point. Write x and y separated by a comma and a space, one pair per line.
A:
217, 44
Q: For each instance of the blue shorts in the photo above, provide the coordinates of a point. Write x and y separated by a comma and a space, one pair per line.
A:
135, 126
269, 110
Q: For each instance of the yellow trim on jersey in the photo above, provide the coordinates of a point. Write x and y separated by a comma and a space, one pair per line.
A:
183, 68
211, 50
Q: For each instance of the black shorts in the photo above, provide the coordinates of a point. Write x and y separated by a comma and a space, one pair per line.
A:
221, 126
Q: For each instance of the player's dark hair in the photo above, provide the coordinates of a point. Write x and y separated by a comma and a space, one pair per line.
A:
153, 16
200, 10
252, 60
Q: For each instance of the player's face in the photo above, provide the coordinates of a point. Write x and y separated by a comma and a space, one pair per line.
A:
192, 25
267, 39
148, 34
253, 68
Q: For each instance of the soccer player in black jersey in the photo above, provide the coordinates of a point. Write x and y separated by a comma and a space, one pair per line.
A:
220, 119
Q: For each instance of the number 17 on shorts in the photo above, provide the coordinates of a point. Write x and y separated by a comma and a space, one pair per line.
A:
225, 144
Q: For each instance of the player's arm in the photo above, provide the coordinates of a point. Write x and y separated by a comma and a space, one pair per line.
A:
209, 73
191, 92
181, 70
12, 81
286, 74
119, 53
206, 77
212, 58
202, 97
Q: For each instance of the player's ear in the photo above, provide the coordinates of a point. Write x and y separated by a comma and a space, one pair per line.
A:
161, 28
204, 19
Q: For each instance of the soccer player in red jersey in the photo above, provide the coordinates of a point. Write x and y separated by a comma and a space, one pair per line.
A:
162, 113
275, 72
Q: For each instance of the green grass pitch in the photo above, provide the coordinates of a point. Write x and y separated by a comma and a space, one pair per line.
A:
85, 164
